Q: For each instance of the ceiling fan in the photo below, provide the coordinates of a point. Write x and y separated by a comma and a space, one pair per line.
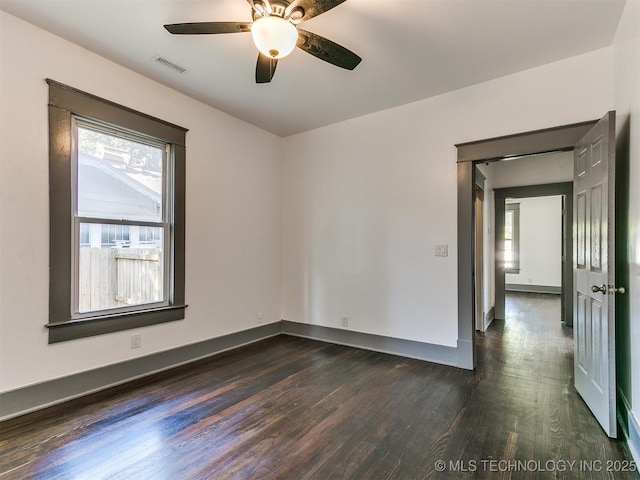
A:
275, 32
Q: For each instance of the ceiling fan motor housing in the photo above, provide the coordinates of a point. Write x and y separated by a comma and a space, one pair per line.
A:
281, 8
278, 8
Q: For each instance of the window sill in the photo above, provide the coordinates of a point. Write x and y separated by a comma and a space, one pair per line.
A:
98, 325
512, 270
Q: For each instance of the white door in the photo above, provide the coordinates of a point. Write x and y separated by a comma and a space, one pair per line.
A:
594, 271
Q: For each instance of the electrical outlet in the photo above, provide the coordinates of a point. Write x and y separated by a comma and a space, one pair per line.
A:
259, 317
345, 320
136, 340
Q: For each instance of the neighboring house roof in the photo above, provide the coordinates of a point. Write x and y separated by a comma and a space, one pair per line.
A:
116, 191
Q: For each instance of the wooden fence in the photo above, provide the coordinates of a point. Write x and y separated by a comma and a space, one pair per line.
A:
117, 277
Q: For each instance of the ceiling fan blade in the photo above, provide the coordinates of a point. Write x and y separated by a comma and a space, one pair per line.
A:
327, 50
206, 28
313, 8
265, 68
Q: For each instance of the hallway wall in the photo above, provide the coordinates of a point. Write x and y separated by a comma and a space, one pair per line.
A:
540, 243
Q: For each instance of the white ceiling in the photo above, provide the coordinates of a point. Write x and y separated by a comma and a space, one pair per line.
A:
411, 49
530, 170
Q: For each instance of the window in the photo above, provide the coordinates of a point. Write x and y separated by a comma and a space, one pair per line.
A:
117, 217
512, 238
119, 194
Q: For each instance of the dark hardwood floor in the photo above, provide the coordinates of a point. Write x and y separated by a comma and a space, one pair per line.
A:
291, 408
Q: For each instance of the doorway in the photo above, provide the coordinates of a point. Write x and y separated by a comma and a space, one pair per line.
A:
539, 141
593, 252
565, 191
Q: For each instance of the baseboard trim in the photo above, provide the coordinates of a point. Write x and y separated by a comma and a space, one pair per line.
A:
379, 343
28, 399
465, 355
516, 287
35, 397
630, 426
488, 317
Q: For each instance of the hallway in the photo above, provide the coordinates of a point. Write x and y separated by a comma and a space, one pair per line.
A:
527, 392
532, 343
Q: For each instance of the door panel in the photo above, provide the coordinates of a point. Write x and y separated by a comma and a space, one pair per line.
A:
581, 234
581, 162
596, 346
594, 372
596, 228
597, 151
580, 333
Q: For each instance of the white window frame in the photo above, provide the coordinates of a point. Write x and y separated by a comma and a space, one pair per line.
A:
515, 234
165, 223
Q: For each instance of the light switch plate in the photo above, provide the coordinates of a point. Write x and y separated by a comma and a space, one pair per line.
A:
442, 250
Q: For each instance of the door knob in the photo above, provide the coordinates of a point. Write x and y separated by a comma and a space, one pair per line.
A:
610, 289
613, 290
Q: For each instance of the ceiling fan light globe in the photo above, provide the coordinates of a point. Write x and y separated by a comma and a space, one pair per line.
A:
275, 37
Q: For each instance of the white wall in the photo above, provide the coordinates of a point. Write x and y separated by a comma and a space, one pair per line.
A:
627, 104
232, 223
540, 242
366, 200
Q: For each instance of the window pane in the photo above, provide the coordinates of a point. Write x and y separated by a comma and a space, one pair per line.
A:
508, 225
122, 271
84, 235
508, 254
118, 178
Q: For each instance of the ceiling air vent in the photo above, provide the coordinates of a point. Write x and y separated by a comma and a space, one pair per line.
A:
169, 64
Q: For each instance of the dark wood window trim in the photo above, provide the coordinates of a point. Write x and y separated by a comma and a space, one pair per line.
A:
64, 103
